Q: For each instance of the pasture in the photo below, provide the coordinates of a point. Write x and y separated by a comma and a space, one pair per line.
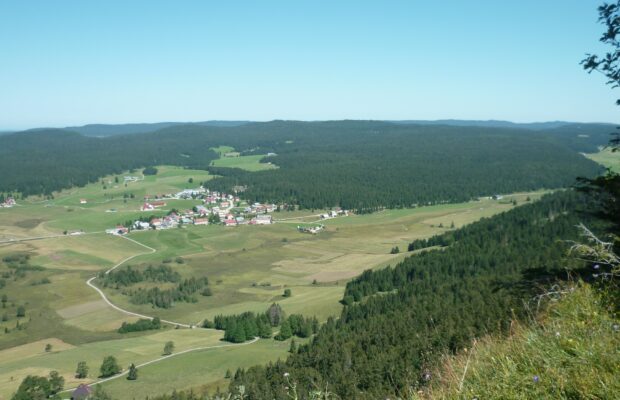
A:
248, 267
607, 158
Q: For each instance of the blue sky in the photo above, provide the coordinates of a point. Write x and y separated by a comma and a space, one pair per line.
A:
76, 62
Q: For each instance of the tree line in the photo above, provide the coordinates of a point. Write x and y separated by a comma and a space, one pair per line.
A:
359, 165
402, 319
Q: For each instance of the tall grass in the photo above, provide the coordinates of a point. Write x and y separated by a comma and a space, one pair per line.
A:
571, 352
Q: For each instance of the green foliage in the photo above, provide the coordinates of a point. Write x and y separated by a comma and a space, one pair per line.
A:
361, 165
81, 371
571, 353
287, 293
132, 375
149, 171
129, 276
395, 250
285, 331
432, 302
168, 348
39, 387
165, 298
109, 367
142, 324
21, 312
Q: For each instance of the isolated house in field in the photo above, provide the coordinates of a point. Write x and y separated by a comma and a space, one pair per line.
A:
147, 207
83, 201
82, 392
9, 202
263, 219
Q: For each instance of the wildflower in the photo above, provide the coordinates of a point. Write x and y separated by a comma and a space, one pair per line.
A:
557, 334
427, 376
595, 275
616, 327
596, 266
286, 374
536, 379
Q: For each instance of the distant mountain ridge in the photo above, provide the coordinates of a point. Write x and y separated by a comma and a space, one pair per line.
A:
103, 130
498, 123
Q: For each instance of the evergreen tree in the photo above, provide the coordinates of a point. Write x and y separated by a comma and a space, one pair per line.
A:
132, 375
285, 331
238, 334
264, 330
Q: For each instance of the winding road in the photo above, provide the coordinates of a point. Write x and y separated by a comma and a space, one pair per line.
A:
90, 283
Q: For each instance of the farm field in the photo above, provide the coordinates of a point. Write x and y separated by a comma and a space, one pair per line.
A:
248, 268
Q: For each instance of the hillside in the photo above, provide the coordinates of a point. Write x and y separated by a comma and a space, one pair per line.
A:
361, 165
398, 321
569, 352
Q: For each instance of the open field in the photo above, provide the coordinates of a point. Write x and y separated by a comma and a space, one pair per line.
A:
21, 361
607, 158
248, 163
201, 370
248, 267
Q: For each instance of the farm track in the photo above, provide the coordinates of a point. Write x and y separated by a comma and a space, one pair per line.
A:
162, 358
90, 283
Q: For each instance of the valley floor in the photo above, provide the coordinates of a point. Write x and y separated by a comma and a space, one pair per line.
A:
248, 267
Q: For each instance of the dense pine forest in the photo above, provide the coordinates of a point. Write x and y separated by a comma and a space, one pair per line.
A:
403, 318
361, 165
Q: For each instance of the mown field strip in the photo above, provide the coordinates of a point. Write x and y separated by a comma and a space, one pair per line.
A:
162, 358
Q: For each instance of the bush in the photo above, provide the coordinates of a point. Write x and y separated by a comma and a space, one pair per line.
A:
142, 324
149, 171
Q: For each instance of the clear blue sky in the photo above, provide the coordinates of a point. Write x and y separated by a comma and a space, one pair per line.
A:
76, 62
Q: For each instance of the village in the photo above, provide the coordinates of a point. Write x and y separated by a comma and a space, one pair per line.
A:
216, 208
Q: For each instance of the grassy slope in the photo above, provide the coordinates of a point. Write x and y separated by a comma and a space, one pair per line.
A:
64, 358
203, 369
607, 159
570, 353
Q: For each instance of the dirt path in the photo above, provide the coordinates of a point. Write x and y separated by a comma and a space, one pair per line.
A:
90, 283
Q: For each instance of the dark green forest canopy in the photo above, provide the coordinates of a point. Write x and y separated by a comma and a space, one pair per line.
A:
384, 344
354, 164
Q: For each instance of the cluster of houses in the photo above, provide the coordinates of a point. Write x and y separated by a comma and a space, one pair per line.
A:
216, 207
8, 203
221, 208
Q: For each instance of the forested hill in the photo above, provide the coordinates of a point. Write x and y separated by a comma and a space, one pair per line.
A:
400, 320
360, 165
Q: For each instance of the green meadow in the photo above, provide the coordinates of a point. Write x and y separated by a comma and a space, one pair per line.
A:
607, 158
248, 268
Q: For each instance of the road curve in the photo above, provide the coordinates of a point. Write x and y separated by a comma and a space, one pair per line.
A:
90, 283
